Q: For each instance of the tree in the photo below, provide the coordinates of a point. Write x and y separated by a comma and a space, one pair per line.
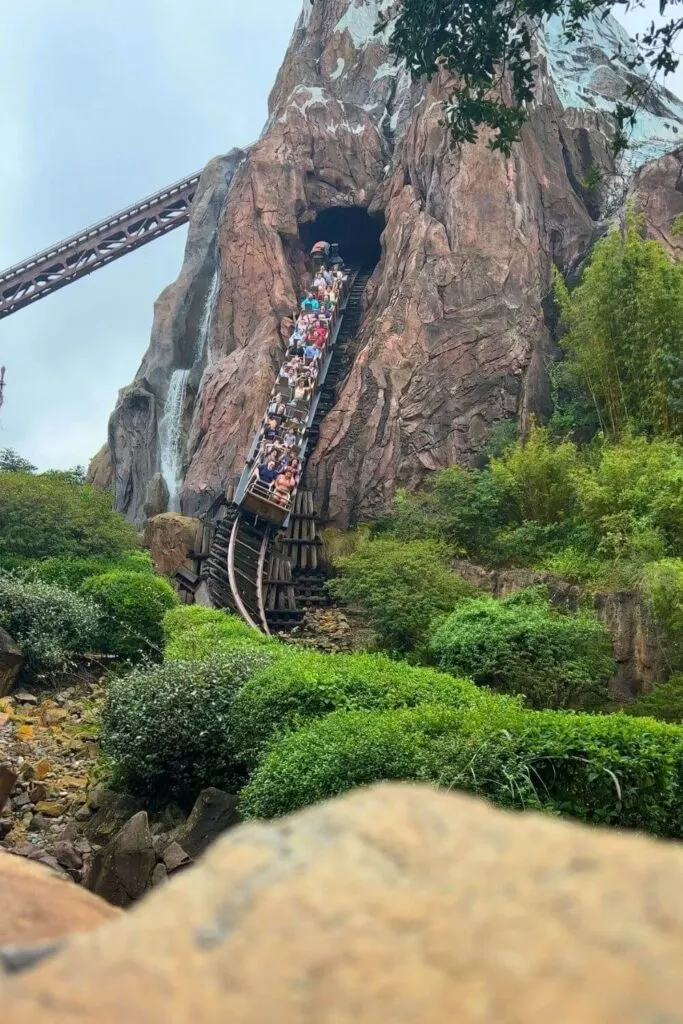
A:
625, 332
488, 46
49, 514
12, 462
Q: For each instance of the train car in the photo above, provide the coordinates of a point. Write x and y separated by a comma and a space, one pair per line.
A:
320, 253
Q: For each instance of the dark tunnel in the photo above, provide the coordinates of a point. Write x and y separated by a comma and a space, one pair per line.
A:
356, 232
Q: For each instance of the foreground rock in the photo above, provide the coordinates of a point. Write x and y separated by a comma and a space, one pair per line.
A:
392, 904
37, 906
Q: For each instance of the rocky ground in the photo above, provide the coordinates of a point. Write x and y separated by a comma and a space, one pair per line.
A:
49, 749
332, 630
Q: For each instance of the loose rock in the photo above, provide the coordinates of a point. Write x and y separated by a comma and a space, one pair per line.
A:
122, 872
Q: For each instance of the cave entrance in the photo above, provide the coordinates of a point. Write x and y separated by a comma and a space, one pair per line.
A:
356, 232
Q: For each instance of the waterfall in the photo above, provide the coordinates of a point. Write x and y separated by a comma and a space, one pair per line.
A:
171, 424
170, 437
205, 322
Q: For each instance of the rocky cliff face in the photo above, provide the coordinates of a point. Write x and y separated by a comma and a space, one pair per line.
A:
454, 334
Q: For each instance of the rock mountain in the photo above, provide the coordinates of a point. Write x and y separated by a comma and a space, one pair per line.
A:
455, 333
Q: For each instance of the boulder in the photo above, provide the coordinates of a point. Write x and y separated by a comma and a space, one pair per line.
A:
37, 906
11, 660
122, 871
169, 537
213, 813
393, 903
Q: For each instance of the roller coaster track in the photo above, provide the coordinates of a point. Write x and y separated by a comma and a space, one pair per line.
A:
96, 246
242, 547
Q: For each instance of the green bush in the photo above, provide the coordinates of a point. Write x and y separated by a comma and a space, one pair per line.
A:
168, 729
662, 585
629, 499
460, 507
401, 587
193, 633
298, 685
603, 769
132, 607
50, 624
664, 702
52, 514
341, 751
539, 475
73, 572
522, 645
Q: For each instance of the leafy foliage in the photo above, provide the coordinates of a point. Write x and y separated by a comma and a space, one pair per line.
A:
461, 508
629, 499
168, 729
604, 769
49, 515
51, 625
663, 588
401, 586
193, 633
625, 333
12, 462
132, 607
72, 572
539, 476
664, 701
487, 46
522, 645
298, 685
341, 751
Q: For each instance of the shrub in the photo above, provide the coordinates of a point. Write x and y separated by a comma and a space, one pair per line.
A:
73, 572
168, 728
524, 646
401, 586
132, 606
50, 624
299, 685
193, 633
603, 769
629, 499
461, 507
52, 514
664, 701
339, 752
662, 585
539, 474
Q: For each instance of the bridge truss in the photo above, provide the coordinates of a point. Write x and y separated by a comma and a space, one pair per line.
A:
96, 246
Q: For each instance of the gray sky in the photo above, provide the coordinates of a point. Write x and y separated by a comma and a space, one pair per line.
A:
104, 102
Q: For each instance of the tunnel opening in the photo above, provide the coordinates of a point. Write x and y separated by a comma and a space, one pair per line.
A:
356, 232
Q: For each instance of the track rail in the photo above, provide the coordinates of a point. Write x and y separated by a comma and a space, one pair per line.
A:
96, 246
249, 542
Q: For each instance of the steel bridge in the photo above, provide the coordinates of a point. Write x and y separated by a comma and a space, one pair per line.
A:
96, 246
